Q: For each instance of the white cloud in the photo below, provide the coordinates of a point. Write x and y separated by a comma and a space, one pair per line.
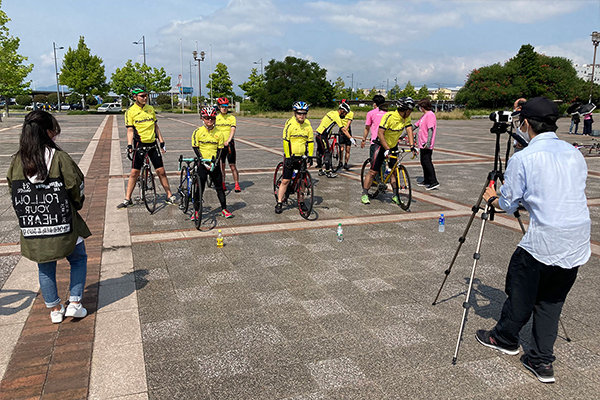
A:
47, 59
523, 11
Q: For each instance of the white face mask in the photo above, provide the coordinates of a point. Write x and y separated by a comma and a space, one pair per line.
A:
524, 135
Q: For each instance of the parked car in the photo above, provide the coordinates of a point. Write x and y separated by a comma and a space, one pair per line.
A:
65, 107
77, 106
110, 108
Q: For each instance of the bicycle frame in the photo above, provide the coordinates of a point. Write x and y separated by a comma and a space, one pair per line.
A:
393, 155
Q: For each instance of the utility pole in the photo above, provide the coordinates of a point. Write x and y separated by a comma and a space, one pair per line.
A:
595, 41
261, 65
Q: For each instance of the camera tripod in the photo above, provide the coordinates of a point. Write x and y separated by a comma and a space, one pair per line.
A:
494, 176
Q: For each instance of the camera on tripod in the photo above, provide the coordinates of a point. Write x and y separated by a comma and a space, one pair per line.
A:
502, 120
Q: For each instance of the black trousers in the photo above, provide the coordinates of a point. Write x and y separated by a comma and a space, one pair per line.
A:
429, 177
587, 126
323, 153
217, 179
538, 289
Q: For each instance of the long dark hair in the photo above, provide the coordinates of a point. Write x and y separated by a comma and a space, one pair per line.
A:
35, 140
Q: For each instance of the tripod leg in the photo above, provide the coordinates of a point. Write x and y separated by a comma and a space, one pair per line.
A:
461, 240
466, 304
567, 338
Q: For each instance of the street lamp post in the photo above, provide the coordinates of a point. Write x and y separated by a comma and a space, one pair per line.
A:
351, 76
56, 71
199, 59
595, 41
143, 43
261, 65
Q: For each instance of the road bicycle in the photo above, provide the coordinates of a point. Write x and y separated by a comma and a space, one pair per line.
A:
190, 187
589, 150
301, 184
145, 181
335, 149
392, 166
185, 181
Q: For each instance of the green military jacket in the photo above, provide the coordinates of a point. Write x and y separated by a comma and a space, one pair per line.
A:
51, 248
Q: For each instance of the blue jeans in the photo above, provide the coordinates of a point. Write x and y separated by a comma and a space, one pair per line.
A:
47, 275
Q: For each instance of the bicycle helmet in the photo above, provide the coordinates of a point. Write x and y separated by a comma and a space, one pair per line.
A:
300, 106
344, 106
208, 112
137, 89
405, 103
223, 102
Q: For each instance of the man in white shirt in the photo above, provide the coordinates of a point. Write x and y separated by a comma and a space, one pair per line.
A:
548, 177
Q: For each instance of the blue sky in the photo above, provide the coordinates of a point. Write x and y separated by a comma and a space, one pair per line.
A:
432, 42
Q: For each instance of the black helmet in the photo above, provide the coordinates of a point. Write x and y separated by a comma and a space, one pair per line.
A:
405, 103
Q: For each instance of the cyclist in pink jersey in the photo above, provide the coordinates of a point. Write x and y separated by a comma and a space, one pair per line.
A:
372, 123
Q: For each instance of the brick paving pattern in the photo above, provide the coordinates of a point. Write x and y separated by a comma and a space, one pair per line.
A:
52, 361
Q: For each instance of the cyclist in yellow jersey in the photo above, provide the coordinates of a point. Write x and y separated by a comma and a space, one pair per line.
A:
208, 144
143, 131
391, 127
331, 119
297, 141
345, 142
226, 125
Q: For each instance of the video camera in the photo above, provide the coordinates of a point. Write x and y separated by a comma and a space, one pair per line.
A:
502, 120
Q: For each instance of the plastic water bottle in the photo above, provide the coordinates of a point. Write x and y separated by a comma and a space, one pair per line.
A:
441, 223
340, 233
387, 171
220, 239
294, 172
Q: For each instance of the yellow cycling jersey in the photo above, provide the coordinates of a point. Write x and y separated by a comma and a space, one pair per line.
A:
207, 141
298, 138
348, 118
393, 124
223, 125
329, 120
143, 121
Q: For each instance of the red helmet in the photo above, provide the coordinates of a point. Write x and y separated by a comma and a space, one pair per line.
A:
223, 102
208, 112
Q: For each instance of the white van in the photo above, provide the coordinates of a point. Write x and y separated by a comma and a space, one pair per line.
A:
110, 108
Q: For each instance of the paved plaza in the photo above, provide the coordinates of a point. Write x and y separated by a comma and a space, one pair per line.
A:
283, 310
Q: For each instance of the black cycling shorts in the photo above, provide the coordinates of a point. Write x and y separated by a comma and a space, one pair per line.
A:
379, 157
343, 139
154, 154
229, 153
289, 165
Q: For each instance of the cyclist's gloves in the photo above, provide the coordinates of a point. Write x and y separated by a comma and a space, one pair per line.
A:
129, 148
386, 153
353, 141
162, 146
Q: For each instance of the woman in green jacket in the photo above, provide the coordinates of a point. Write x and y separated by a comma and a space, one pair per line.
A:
47, 190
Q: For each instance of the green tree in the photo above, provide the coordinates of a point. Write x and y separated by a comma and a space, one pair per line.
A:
83, 72
163, 99
441, 95
423, 93
74, 98
24, 99
295, 79
394, 92
254, 85
339, 89
13, 69
409, 90
40, 98
130, 75
372, 93
221, 86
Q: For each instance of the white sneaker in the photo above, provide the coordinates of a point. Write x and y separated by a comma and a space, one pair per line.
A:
75, 310
57, 316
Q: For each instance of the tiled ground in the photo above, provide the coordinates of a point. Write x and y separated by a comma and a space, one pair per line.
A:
293, 314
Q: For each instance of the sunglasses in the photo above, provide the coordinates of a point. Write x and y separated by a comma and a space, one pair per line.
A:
301, 113
208, 118
142, 95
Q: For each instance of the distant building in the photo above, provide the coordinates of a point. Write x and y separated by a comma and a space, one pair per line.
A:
584, 71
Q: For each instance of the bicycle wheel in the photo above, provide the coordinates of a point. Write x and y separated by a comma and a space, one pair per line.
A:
305, 195
277, 179
374, 189
404, 189
197, 200
184, 190
148, 189
336, 157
